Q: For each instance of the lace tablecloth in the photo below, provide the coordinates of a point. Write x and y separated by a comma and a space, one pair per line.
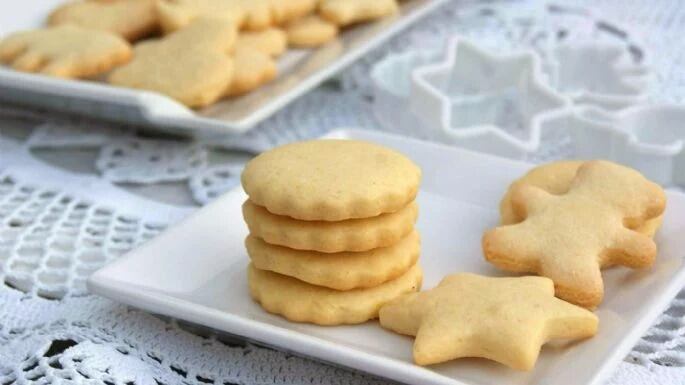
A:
76, 194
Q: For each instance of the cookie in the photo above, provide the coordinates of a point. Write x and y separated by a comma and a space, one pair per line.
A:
262, 14
176, 14
330, 237
339, 271
191, 65
570, 237
271, 41
346, 12
502, 319
130, 19
290, 10
65, 51
258, 14
331, 180
556, 178
301, 302
253, 68
252, 15
311, 31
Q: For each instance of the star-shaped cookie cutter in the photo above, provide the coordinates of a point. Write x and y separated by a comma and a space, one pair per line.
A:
391, 79
648, 138
486, 102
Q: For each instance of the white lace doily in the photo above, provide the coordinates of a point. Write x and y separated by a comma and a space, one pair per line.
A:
77, 193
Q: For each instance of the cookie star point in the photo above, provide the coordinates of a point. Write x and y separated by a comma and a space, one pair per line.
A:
503, 319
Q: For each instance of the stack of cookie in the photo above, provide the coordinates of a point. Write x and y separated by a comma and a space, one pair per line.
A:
332, 233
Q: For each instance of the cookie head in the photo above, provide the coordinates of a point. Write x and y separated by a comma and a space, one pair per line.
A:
627, 190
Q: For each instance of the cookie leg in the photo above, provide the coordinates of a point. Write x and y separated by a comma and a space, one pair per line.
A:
575, 280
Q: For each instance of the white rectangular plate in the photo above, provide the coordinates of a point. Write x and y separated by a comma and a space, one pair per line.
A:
299, 71
196, 271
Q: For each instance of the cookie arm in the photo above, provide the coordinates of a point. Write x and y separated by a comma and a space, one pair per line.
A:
511, 248
631, 249
527, 199
652, 205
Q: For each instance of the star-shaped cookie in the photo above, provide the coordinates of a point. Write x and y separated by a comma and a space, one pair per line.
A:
570, 237
502, 319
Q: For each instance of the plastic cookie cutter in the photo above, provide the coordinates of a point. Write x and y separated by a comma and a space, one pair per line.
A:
646, 138
485, 102
603, 74
391, 79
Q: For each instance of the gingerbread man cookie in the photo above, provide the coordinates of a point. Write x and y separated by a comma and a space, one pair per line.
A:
570, 237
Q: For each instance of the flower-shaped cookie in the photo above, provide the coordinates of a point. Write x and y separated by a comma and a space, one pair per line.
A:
503, 319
